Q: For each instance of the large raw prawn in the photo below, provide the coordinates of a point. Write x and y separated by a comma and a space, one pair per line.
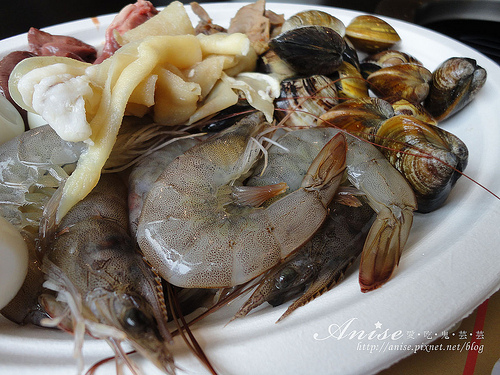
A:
103, 285
386, 190
196, 234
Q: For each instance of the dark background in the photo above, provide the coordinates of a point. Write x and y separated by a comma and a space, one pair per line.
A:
19, 15
474, 22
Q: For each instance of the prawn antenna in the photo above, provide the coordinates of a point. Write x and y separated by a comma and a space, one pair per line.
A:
184, 330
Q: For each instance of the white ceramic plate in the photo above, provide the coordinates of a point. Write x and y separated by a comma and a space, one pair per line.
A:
449, 267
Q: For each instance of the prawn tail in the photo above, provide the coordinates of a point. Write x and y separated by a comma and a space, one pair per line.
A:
255, 196
383, 247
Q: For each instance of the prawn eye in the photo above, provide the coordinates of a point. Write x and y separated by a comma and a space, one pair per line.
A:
136, 320
286, 278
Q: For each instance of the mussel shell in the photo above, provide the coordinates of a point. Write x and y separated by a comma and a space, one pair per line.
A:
455, 83
350, 84
429, 157
314, 17
404, 107
407, 81
360, 117
371, 34
310, 49
302, 100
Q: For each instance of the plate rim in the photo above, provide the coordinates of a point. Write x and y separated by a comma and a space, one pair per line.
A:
274, 6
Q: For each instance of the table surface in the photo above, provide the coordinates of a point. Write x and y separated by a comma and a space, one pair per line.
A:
473, 347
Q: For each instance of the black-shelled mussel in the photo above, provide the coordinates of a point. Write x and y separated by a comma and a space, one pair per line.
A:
310, 49
455, 83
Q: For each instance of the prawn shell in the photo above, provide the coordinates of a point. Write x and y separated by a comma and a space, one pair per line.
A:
371, 34
429, 157
310, 49
407, 81
455, 84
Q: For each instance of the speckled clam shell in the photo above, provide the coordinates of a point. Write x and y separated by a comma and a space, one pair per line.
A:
302, 100
360, 117
455, 84
407, 81
371, 34
314, 17
429, 157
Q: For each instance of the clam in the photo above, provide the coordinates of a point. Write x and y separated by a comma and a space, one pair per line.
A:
350, 83
429, 157
384, 59
314, 17
302, 100
407, 81
358, 116
310, 50
404, 107
271, 63
455, 83
371, 34
350, 54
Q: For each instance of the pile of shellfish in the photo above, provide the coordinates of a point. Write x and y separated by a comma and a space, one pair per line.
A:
355, 78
